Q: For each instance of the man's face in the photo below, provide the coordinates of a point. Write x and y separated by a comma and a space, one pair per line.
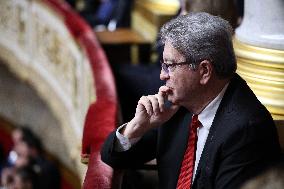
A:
17, 136
23, 153
182, 80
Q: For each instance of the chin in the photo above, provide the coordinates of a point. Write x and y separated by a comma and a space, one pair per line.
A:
172, 100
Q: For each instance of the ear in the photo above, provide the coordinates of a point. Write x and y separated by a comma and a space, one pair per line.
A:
205, 71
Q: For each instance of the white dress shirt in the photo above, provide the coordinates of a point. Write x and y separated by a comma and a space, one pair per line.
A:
206, 118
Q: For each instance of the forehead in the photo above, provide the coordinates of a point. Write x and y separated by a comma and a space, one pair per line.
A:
170, 53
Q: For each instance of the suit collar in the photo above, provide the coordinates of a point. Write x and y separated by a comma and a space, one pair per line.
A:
207, 115
226, 108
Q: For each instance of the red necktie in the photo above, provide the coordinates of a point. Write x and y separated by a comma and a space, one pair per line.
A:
187, 167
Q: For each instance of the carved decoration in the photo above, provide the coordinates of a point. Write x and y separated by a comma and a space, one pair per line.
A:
37, 46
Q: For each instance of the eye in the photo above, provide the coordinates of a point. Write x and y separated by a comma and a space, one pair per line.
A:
171, 67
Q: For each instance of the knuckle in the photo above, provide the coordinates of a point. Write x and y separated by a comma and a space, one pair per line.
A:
141, 98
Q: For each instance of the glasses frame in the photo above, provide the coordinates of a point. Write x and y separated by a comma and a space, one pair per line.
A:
165, 66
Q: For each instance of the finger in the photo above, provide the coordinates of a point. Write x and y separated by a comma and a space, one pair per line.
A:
147, 104
154, 103
140, 108
161, 101
164, 89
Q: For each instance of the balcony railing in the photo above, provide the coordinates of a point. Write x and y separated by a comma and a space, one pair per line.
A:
48, 45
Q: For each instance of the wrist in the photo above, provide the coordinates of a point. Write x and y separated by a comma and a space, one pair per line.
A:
133, 129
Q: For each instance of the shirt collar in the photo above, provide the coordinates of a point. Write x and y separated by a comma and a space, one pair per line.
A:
207, 115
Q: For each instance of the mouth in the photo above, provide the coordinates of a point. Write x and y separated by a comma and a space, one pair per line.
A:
170, 91
171, 88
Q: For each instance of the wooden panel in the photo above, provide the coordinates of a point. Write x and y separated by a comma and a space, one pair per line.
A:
124, 46
120, 36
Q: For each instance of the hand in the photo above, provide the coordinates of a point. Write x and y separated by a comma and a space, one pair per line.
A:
150, 113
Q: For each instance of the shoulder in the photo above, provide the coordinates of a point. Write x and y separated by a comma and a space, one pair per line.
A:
241, 114
241, 101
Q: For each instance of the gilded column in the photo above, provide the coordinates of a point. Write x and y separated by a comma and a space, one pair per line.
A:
149, 15
259, 47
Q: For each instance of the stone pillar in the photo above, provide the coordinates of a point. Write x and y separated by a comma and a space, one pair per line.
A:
259, 47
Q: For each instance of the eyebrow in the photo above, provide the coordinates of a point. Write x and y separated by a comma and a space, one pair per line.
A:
169, 59
172, 61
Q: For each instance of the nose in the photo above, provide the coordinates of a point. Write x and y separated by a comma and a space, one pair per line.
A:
164, 75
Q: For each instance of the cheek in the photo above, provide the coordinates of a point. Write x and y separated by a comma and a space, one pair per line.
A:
187, 87
181, 88
182, 81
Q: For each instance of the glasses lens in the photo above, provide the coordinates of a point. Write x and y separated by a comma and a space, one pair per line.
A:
165, 68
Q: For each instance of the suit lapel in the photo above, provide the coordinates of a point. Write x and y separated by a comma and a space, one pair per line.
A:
223, 114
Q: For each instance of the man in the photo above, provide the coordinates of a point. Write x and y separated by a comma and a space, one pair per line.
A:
216, 134
25, 178
30, 154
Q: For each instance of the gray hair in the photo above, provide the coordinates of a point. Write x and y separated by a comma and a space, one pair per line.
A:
201, 36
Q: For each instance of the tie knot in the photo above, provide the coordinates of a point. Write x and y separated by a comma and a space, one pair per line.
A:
195, 122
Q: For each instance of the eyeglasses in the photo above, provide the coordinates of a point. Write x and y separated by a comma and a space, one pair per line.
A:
167, 67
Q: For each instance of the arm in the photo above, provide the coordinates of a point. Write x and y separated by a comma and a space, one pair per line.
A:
150, 114
141, 152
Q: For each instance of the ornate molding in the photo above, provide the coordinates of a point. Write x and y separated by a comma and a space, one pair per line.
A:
263, 69
38, 48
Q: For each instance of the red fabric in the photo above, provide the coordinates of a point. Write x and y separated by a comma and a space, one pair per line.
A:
187, 167
5, 141
101, 116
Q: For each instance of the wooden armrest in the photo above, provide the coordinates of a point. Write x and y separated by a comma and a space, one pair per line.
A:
120, 36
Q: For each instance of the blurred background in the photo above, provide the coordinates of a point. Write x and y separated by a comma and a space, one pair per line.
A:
71, 71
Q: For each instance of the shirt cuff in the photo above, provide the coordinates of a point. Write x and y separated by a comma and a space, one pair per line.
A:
123, 143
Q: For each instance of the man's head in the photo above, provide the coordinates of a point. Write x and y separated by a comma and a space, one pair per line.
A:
201, 36
25, 178
27, 150
19, 133
198, 58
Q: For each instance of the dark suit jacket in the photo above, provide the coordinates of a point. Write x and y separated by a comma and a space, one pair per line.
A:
241, 142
